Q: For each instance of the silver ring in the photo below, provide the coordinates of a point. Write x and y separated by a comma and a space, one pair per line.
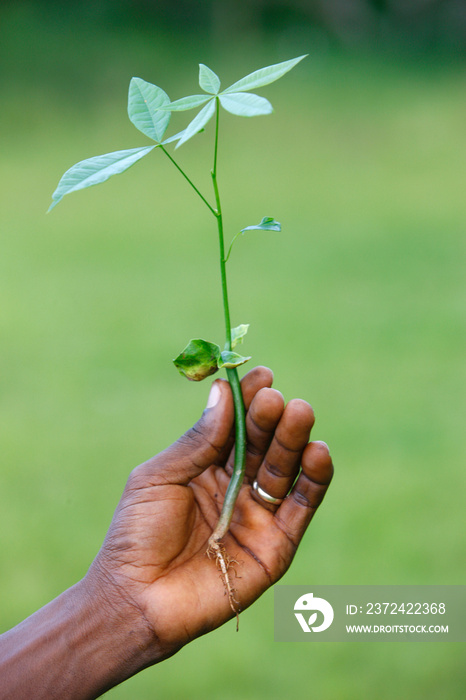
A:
265, 496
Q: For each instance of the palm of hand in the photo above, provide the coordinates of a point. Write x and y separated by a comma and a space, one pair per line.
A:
155, 550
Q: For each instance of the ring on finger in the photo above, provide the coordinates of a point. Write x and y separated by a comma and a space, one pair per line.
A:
266, 496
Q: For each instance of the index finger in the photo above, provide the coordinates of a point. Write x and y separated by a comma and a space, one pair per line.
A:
256, 379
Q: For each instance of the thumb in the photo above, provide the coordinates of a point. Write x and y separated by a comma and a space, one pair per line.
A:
200, 446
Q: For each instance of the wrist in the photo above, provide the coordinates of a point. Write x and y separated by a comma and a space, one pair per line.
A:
124, 642
78, 646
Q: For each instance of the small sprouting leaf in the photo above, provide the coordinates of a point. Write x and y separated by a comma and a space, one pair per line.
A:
185, 103
245, 105
268, 223
198, 123
95, 170
208, 80
263, 76
198, 360
230, 359
144, 102
237, 334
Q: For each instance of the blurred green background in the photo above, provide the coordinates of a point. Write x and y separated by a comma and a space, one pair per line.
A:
358, 306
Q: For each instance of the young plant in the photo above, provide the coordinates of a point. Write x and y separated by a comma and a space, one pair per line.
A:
149, 109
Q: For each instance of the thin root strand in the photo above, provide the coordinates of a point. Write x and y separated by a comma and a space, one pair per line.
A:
217, 551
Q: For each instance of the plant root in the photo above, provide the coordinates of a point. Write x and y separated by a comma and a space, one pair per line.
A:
216, 550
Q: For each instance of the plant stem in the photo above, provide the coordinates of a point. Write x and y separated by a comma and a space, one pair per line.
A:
240, 423
189, 181
237, 476
223, 271
240, 415
231, 245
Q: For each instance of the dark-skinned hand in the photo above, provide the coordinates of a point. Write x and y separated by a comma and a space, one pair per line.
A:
152, 588
155, 550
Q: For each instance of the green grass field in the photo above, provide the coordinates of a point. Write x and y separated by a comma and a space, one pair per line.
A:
358, 306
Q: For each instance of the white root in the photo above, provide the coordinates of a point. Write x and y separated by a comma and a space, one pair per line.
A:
217, 551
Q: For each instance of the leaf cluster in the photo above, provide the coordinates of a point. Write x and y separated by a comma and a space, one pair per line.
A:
235, 99
150, 108
201, 358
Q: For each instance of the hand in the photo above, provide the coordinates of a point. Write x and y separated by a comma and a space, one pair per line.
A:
153, 562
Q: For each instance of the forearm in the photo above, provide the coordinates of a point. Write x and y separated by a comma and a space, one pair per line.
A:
76, 647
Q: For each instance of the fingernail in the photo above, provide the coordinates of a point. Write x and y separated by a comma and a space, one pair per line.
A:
324, 445
321, 442
214, 395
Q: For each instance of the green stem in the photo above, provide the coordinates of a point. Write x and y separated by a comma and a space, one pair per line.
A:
189, 181
237, 476
240, 422
223, 271
231, 245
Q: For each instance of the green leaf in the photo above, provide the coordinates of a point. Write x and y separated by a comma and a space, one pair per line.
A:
237, 334
263, 76
198, 360
95, 170
198, 123
245, 105
170, 139
231, 359
185, 103
268, 223
144, 102
208, 80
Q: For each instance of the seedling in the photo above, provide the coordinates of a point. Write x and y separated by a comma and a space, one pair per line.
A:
149, 109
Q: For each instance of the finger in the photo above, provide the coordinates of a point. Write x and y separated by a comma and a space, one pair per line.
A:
263, 416
251, 384
282, 461
297, 510
254, 381
204, 443
200, 446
